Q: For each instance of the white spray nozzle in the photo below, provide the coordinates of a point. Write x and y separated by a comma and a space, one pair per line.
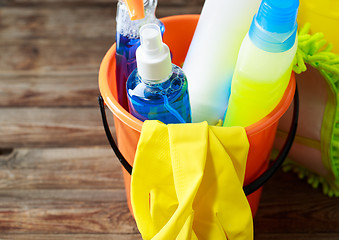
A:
150, 38
153, 56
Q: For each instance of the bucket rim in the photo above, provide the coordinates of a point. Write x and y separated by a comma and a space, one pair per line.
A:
107, 65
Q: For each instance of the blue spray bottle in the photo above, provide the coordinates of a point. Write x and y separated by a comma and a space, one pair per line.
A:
157, 89
131, 15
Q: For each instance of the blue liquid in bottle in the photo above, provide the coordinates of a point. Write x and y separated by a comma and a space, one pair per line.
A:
127, 41
167, 101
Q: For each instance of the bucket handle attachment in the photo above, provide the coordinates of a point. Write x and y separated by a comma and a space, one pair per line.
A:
248, 189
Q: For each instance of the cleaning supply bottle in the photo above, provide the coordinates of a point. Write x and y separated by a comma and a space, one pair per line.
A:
157, 89
212, 55
131, 15
264, 64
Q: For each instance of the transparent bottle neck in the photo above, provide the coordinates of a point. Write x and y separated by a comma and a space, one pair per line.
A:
127, 27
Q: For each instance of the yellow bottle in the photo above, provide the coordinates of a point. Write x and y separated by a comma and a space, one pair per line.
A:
264, 64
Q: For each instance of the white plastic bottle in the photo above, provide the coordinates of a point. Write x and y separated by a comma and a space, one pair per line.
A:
264, 64
212, 55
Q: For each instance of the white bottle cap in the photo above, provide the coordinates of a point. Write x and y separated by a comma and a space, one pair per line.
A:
153, 56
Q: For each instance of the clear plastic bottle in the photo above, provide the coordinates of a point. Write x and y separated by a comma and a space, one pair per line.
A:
157, 89
264, 64
128, 40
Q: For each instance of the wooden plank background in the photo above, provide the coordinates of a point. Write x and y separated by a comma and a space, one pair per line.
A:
58, 177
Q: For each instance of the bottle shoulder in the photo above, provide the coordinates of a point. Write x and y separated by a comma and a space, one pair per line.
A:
257, 63
146, 91
249, 50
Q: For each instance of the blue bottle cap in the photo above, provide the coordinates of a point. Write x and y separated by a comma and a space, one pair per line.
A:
274, 27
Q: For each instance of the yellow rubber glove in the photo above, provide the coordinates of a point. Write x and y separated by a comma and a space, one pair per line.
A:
187, 182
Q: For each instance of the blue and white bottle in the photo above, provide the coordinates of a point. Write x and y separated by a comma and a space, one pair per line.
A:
157, 89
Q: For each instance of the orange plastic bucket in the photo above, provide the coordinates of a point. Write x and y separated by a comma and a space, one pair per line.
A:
178, 34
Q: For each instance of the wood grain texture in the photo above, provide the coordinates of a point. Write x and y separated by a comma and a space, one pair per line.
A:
60, 168
289, 205
53, 57
65, 211
51, 127
297, 236
72, 237
76, 23
48, 90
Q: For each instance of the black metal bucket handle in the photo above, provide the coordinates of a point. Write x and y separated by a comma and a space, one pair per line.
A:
248, 189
